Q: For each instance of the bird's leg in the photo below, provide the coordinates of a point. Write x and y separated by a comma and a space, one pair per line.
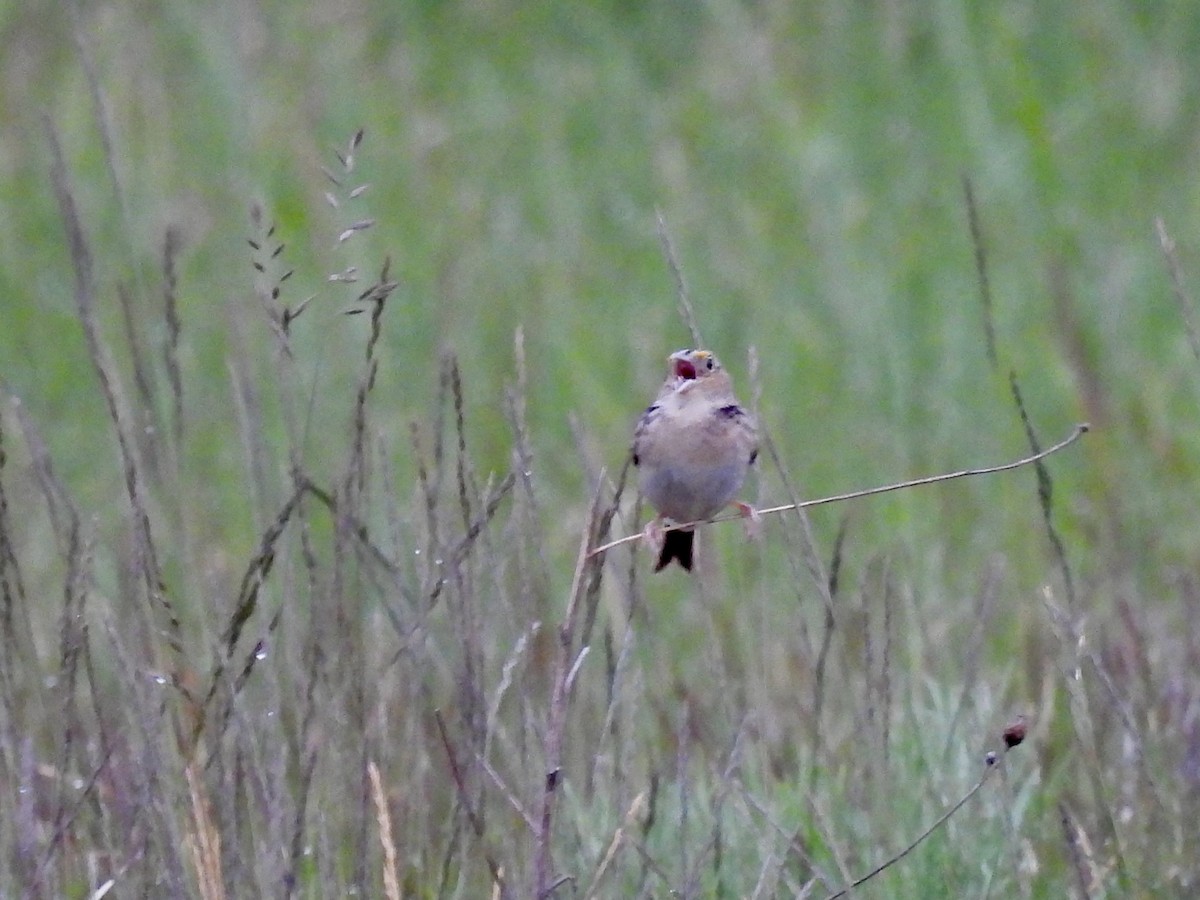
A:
653, 535
752, 521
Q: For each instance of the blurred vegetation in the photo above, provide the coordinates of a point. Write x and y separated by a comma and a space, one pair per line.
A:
808, 160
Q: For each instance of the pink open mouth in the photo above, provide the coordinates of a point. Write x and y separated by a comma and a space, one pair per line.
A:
684, 369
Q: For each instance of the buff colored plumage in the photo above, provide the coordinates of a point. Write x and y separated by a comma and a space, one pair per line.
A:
692, 447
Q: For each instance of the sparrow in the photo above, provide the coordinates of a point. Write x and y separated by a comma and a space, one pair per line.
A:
692, 448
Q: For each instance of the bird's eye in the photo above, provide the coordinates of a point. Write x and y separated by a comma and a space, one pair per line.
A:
708, 363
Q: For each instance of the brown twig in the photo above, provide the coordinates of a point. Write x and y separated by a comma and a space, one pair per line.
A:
1079, 430
992, 763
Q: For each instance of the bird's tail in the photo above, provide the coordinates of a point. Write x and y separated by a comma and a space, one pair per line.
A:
677, 545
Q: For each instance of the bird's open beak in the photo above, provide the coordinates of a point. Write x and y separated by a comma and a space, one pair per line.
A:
684, 367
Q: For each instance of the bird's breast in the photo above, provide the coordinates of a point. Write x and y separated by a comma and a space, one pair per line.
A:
690, 492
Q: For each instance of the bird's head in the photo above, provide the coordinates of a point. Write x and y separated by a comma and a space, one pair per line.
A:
690, 365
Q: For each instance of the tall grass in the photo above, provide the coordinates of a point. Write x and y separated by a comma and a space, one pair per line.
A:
300, 473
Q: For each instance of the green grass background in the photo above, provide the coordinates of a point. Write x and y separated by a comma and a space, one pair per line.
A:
808, 161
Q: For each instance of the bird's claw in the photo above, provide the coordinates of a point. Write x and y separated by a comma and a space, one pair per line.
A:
654, 535
751, 520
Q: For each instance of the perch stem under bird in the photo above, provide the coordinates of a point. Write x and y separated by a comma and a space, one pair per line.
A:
1077, 432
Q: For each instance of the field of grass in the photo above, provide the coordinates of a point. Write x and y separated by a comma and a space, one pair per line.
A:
307, 433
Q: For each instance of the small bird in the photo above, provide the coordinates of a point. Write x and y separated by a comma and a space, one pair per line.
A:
692, 448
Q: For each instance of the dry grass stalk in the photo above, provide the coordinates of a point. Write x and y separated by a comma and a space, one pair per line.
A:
12, 588
981, 271
1079, 430
1089, 873
81, 257
204, 841
567, 662
992, 763
174, 329
508, 692
469, 807
618, 840
1186, 303
143, 379
681, 292
383, 818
